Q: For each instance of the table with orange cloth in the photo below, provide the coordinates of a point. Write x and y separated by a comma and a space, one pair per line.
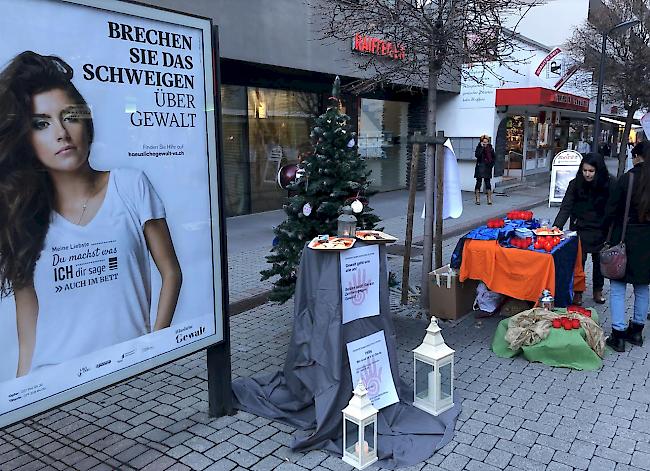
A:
518, 273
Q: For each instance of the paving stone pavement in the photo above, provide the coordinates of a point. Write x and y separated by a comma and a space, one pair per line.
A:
245, 262
515, 415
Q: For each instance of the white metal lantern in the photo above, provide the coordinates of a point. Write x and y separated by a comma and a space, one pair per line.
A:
347, 223
360, 430
433, 373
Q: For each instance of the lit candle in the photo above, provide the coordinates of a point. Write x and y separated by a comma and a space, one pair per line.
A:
365, 448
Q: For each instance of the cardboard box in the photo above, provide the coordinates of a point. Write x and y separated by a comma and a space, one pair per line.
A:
448, 297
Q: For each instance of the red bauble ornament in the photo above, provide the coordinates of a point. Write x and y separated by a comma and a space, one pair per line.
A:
286, 175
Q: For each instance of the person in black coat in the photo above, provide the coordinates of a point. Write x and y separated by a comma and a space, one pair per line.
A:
637, 237
584, 204
485, 158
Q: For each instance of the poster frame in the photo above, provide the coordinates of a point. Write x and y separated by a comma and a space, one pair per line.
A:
565, 160
217, 346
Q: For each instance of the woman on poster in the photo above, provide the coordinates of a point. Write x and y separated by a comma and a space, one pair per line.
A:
74, 241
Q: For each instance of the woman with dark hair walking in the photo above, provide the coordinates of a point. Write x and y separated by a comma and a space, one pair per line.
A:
583, 205
61, 221
485, 158
637, 236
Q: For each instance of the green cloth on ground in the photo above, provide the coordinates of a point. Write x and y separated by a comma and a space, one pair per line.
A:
565, 348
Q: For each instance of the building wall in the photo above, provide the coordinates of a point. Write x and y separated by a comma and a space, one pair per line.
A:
281, 33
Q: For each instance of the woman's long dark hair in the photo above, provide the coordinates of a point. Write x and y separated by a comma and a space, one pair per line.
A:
598, 188
642, 185
26, 193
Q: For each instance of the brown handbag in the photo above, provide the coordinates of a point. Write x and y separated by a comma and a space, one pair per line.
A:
613, 260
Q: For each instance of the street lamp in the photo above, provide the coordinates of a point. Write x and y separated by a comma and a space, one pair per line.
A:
616, 29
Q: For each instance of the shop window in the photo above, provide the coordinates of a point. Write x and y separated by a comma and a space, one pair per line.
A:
280, 122
235, 150
515, 127
383, 129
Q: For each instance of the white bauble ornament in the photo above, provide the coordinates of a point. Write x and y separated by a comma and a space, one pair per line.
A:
357, 206
351, 143
306, 209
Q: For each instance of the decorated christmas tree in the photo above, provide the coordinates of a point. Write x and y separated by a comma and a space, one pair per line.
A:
329, 178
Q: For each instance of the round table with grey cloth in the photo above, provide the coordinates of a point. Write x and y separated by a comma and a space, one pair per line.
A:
316, 384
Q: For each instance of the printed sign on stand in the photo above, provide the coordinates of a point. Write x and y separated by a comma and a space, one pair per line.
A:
565, 166
369, 362
360, 282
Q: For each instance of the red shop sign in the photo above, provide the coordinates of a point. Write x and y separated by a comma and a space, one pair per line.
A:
540, 97
378, 47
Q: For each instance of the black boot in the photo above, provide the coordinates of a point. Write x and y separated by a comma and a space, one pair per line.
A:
616, 340
634, 334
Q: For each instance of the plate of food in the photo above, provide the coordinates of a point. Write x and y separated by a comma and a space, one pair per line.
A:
375, 237
331, 243
548, 231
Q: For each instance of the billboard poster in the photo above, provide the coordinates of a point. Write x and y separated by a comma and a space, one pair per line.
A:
110, 239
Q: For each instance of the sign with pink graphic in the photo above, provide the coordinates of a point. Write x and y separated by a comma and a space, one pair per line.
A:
369, 362
360, 282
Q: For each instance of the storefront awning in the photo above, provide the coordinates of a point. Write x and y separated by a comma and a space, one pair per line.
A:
619, 121
538, 96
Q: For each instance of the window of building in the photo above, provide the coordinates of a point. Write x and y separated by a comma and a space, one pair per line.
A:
279, 125
383, 129
464, 147
235, 150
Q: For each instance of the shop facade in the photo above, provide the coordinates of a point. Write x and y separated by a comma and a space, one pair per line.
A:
531, 110
276, 76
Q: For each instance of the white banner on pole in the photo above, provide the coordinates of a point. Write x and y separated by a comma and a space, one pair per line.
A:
452, 201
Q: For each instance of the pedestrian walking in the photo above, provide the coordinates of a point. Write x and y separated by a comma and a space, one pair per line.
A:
583, 205
485, 158
637, 235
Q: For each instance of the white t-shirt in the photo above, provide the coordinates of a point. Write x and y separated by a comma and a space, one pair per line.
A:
93, 282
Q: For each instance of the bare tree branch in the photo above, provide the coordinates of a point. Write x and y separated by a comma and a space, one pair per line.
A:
627, 57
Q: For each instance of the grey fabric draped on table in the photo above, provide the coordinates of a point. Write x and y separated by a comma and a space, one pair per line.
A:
316, 384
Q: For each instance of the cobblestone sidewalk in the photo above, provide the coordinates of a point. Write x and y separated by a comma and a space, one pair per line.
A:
516, 415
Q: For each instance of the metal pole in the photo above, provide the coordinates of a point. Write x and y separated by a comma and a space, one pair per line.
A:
599, 96
219, 379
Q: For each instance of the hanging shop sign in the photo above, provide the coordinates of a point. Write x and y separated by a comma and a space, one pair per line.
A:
129, 276
538, 96
565, 166
378, 47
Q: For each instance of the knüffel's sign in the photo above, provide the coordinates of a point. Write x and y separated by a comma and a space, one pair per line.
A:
378, 47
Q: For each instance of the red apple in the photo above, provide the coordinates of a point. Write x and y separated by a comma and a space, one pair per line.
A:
575, 323
557, 324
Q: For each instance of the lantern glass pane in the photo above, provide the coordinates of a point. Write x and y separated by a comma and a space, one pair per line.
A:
369, 437
445, 381
352, 438
424, 380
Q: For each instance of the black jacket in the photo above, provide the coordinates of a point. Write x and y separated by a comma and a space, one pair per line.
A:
637, 238
483, 169
585, 210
